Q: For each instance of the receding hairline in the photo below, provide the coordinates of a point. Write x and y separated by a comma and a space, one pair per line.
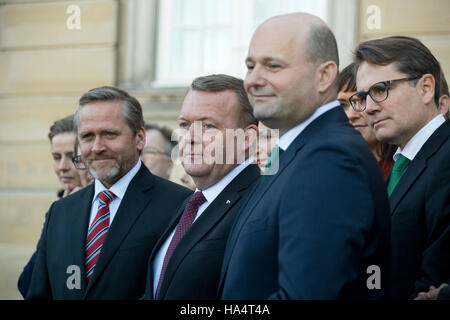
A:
302, 29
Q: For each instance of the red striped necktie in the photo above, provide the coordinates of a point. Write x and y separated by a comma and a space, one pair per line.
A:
184, 224
97, 232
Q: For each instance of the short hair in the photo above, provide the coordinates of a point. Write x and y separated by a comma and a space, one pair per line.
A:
62, 126
222, 82
409, 55
131, 108
346, 80
322, 45
165, 132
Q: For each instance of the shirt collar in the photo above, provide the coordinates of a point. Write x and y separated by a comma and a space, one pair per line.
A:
120, 187
418, 140
289, 136
213, 191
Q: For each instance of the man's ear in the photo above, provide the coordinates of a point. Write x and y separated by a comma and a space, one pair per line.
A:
326, 75
444, 104
140, 138
426, 88
251, 139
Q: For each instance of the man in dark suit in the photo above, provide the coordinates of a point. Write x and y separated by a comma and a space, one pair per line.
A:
398, 80
95, 243
186, 265
318, 228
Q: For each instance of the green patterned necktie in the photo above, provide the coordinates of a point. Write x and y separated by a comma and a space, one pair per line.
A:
397, 171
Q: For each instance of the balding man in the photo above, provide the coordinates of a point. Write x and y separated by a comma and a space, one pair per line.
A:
302, 234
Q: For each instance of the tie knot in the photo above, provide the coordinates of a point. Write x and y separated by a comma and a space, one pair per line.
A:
197, 199
274, 156
401, 163
106, 197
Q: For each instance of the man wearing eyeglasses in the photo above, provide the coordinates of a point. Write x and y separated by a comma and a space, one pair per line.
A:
156, 154
398, 83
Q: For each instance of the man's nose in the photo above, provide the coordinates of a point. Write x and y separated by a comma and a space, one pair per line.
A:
98, 145
371, 106
195, 132
254, 78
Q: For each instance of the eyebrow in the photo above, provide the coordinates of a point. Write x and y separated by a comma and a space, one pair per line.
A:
267, 59
201, 119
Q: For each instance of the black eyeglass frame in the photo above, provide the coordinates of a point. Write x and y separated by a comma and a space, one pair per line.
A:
386, 83
76, 160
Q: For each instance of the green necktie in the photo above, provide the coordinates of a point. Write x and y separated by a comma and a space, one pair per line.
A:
273, 158
397, 171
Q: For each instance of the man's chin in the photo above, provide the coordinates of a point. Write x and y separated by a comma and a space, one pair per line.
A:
198, 170
106, 176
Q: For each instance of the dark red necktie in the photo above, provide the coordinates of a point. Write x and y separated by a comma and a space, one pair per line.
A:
184, 224
97, 232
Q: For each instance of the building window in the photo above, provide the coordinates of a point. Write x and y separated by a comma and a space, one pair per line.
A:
200, 37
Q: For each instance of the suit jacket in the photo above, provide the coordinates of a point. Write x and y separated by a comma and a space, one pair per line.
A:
144, 212
317, 229
420, 206
23, 284
194, 269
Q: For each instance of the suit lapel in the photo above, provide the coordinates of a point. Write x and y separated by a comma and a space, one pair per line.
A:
160, 242
80, 221
224, 202
133, 204
252, 200
418, 165
407, 180
332, 117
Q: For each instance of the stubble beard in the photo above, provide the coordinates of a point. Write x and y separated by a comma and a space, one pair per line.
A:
110, 177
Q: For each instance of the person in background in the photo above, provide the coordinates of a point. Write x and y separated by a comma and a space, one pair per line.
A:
157, 151
187, 181
85, 176
267, 139
62, 139
383, 152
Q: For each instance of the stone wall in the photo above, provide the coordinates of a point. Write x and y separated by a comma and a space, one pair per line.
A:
45, 67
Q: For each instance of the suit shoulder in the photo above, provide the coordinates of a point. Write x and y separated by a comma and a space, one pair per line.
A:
75, 197
172, 187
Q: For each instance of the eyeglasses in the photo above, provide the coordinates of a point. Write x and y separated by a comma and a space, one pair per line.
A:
378, 92
153, 151
78, 162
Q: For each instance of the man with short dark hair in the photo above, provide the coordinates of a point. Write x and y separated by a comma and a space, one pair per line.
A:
302, 234
398, 81
157, 151
186, 261
95, 243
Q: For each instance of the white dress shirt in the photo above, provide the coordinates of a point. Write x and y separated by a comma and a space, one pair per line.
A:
289, 136
119, 189
210, 194
418, 140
